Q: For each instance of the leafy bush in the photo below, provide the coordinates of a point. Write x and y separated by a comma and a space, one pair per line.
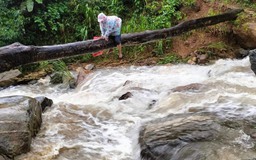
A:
11, 24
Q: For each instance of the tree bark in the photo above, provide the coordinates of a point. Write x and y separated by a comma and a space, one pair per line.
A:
17, 54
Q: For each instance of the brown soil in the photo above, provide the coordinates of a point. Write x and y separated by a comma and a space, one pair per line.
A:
203, 37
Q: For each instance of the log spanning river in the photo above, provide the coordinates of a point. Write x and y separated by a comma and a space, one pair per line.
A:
91, 123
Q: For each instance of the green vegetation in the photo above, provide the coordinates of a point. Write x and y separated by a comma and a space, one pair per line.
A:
173, 58
245, 3
213, 48
48, 22
41, 22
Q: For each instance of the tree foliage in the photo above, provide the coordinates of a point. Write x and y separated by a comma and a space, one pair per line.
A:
39, 22
45, 22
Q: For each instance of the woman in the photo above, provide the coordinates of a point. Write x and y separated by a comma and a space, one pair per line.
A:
110, 27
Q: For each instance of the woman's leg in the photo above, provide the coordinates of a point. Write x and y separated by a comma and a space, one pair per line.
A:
119, 45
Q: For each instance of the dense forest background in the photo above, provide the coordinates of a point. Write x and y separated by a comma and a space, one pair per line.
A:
41, 22
48, 22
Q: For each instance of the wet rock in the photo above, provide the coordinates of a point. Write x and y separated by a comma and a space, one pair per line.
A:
27, 78
190, 87
252, 57
125, 96
44, 102
89, 67
81, 75
9, 78
241, 53
4, 158
20, 118
253, 135
32, 82
246, 35
196, 136
72, 83
202, 59
198, 58
193, 59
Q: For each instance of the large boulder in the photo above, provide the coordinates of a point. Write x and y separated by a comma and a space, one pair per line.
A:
20, 119
44, 102
197, 136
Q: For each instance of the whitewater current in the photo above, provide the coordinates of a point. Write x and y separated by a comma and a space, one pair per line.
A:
91, 123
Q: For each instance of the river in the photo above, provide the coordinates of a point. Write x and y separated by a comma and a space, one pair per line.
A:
90, 123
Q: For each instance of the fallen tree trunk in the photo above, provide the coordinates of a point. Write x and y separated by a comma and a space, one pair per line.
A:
17, 54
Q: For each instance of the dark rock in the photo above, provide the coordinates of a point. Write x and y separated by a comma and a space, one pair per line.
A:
44, 102
72, 83
253, 51
125, 96
253, 135
197, 137
2, 157
202, 59
241, 53
151, 104
32, 82
20, 118
252, 57
190, 87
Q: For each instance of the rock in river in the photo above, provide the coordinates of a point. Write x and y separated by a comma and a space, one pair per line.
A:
20, 119
198, 136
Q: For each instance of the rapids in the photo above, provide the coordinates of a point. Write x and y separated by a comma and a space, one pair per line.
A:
90, 123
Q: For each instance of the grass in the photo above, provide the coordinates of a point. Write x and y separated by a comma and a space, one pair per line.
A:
217, 45
172, 58
213, 48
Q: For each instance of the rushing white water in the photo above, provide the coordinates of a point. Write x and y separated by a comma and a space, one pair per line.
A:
90, 123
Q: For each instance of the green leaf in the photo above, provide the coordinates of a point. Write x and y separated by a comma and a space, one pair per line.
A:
39, 1
30, 5
23, 6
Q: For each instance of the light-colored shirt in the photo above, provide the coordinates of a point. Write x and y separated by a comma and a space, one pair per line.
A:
111, 26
